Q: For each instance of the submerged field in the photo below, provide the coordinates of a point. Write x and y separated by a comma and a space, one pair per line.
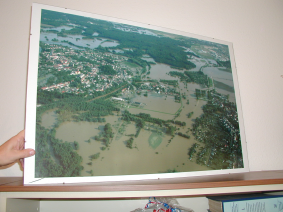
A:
153, 150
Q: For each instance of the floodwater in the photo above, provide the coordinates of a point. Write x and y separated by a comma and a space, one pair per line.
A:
157, 105
47, 37
148, 58
48, 119
161, 71
136, 30
222, 76
219, 75
117, 159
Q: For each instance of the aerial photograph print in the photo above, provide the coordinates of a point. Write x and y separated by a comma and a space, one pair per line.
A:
117, 99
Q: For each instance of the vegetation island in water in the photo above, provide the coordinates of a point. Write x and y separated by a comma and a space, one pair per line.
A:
80, 82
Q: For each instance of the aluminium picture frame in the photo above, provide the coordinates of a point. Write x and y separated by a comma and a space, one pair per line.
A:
115, 100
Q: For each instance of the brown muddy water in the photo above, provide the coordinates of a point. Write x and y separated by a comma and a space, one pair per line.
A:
117, 159
48, 118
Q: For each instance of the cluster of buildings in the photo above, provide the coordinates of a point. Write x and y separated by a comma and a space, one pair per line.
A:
80, 69
206, 130
56, 86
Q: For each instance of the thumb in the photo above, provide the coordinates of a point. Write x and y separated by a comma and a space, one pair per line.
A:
25, 153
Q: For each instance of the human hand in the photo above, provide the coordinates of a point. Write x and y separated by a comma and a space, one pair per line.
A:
14, 149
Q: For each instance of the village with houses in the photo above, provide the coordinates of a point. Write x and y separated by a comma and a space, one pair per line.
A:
82, 76
67, 70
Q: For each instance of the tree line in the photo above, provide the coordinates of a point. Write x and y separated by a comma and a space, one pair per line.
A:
141, 118
192, 76
55, 158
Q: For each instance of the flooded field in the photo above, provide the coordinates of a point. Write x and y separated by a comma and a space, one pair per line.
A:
152, 146
158, 106
117, 159
152, 152
48, 119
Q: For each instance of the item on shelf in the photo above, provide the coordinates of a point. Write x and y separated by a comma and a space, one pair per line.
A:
246, 202
163, 204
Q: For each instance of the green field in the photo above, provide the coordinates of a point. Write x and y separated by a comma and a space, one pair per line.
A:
154, 140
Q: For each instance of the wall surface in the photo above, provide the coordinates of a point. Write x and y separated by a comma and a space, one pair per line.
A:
254, 27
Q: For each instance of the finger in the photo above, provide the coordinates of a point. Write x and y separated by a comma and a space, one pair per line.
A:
20, 137
17, 141
21, 134
22, 163
24, 153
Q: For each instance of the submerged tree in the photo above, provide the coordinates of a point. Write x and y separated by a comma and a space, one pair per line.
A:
94, 156
76, 145
129, 143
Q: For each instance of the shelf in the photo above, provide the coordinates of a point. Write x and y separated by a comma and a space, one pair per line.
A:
14, 193
190, 186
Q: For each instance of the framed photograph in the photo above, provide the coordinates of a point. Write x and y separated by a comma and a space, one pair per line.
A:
115, 100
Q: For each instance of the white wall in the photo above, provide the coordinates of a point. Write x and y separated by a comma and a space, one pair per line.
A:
254, 27
28, 205
115, 205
